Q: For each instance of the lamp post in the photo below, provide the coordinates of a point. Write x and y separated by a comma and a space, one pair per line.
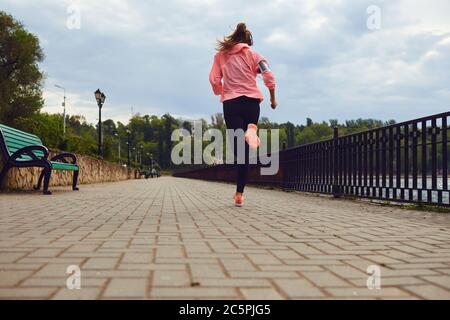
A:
100, 97
151, 163
140, 155
118, 137
129, 148
64, 112
150, 155
135, 155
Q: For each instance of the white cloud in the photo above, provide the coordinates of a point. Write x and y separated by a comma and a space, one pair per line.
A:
279, 37
156, 56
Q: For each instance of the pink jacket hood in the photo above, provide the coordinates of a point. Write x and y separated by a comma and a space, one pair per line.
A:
238, 47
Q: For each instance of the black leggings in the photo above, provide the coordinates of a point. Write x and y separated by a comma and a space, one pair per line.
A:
238, 114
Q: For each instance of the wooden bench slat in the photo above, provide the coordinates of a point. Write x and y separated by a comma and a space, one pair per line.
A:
14, 142
16, 131
22, 140
64, 166
19, 144
15, 148
10, 135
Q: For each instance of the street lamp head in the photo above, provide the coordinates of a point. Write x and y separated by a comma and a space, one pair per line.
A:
103, 98
98, 95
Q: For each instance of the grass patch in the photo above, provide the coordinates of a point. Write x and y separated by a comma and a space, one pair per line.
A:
413, 206
425, 207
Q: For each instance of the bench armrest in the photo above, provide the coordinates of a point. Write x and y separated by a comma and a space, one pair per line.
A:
62, 158
28, 150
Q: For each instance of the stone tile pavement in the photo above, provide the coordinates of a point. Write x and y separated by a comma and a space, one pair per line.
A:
172, 238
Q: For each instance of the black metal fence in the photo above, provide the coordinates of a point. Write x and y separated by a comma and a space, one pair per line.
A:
405, 162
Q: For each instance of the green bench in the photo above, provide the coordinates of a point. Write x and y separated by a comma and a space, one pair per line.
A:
22, 149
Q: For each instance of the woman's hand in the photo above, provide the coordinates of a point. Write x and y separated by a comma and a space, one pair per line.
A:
273, 101
273, 104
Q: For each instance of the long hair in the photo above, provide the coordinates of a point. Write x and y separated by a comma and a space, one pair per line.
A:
240, 35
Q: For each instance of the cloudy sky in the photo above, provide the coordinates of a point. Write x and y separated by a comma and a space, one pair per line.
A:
155, 56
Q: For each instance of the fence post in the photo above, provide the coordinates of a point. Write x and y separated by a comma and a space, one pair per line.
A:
336, 187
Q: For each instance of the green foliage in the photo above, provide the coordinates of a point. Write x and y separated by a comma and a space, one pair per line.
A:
20, 77
151, 135
293, 135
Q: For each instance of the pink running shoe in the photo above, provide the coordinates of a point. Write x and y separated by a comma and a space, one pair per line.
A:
238, 200
251, 136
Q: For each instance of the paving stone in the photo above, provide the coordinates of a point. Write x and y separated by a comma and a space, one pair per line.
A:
237, 283
443, 281
157, 239
207, 271
12, 278
126, 288
366, 293
79, 294
100, 263
193, 293
299, 288
325, 279
162, 278
9, 257
26, 293
261, 294
431, 292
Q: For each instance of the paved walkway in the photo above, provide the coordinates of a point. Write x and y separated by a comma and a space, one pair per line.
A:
177, 238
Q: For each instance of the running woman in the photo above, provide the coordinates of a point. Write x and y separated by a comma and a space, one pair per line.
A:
233, 77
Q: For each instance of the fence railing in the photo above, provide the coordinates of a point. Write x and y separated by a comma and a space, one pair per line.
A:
405, 162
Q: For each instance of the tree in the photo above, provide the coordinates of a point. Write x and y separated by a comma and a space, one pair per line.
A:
20, 78
169, 124
290, 134
109, 127
218, 121
333, 123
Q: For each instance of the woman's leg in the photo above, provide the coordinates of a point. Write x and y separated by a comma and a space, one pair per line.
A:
238, 114
252, 113
251, 116
234, 119
243, 172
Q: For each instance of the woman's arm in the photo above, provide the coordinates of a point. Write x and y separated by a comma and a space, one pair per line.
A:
273, 100
215, 76
269, 81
